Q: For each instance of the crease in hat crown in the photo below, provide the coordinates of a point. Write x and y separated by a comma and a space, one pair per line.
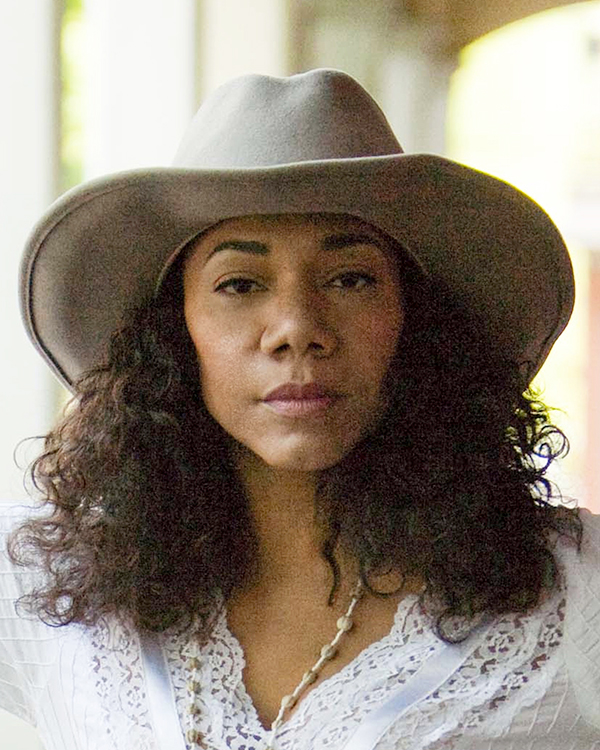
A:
259, 121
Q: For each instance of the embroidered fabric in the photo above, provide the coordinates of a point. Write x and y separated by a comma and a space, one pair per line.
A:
120, 686
510, 666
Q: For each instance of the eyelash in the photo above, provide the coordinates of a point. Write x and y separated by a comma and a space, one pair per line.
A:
231, 286
367, 278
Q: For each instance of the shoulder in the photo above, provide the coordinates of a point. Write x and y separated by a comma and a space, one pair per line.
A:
27, 645
591, 525
12, 516
582, 623
16, 581
581, 568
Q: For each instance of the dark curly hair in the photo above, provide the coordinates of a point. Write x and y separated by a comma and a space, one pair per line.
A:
145, 518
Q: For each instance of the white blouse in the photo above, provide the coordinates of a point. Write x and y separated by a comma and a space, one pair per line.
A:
526, 682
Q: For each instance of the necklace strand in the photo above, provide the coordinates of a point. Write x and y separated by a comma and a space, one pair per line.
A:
328, 652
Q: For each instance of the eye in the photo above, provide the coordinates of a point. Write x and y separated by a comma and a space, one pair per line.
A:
238, 286
353, 281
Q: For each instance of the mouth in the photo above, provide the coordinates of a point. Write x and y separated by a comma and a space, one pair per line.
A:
298, 400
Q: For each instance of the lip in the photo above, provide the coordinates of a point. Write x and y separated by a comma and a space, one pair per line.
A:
299, 392
301, 400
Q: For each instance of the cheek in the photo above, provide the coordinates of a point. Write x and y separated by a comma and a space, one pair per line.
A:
218, 365
224, 371
374, 343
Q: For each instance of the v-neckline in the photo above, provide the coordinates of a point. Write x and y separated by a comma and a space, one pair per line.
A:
397, 631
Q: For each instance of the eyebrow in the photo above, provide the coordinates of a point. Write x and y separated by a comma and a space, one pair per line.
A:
331, 242
349, 239
242, 246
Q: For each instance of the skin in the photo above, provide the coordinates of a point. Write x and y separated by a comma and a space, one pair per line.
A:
297, 312
269, 301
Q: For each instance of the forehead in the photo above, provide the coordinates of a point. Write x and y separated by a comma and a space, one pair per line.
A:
301, 226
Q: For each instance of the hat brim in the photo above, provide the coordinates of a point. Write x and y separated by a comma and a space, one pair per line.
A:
101, 249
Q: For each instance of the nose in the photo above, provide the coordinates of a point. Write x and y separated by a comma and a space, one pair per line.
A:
296, 323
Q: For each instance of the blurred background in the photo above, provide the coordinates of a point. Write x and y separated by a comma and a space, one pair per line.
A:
95, 86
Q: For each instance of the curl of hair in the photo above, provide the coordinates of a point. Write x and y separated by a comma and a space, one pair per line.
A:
144, 518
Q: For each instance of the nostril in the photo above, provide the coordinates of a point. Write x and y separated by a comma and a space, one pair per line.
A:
302, 335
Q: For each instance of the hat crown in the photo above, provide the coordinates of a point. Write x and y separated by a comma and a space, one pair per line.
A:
259, 121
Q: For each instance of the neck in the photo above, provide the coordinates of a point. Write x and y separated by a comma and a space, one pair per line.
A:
282, 505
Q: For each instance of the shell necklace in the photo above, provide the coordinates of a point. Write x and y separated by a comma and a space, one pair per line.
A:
328, 652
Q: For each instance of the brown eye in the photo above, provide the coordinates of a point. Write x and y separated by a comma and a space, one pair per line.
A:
238, 286
353, 281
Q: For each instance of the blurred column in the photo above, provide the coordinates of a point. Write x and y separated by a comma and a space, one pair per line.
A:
402, 60
237, 37
584, 226
28, 179
587, 201
354, 36
415, 82
139, 81
29, 42
593, 443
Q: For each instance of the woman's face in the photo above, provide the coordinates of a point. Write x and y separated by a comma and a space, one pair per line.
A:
295, 319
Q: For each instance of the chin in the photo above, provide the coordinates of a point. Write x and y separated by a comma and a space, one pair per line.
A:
309, 459
301, 463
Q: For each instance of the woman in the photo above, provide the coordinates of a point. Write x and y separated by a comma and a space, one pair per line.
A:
299, 499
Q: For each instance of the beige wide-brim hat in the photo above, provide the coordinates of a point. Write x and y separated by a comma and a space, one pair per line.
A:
315, 142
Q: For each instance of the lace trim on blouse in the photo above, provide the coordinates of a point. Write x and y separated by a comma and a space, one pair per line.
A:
511, 665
